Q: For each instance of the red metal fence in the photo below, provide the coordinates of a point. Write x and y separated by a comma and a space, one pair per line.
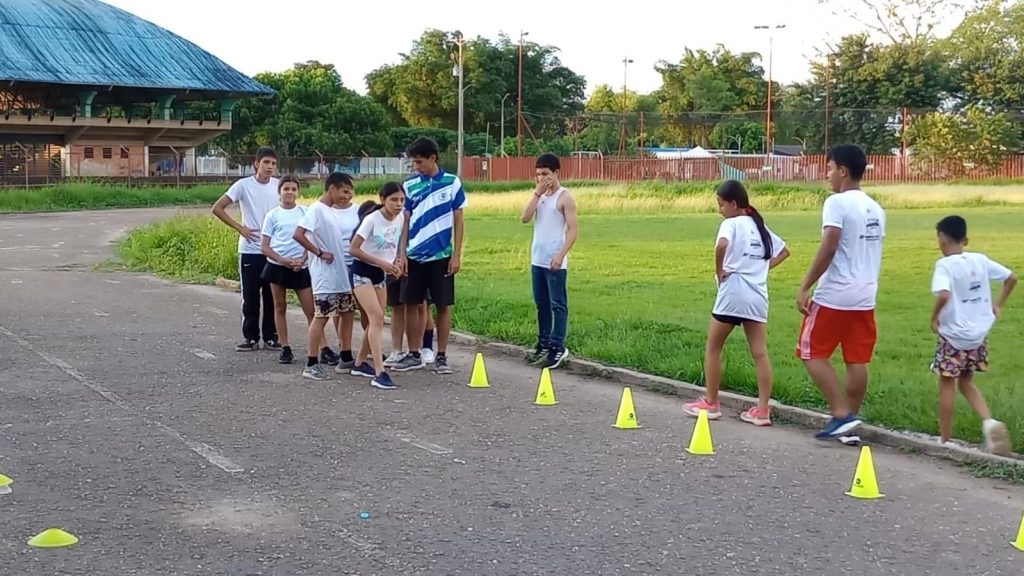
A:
775, 168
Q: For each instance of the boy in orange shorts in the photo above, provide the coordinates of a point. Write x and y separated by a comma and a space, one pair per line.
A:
842, 310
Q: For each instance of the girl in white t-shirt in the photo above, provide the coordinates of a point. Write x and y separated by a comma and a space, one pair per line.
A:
745, 250
378, 251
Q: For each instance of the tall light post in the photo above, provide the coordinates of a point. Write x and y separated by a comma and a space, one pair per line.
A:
626, 61
519, 100
768, 122
459, 42
503, 123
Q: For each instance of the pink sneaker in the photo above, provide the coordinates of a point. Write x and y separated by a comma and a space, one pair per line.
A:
758, 416
694, 408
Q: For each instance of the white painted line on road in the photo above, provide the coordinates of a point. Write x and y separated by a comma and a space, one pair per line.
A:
112, 281
217, 310
202, 354
12, 248
428, 446
100, 313
16, 282
205, 450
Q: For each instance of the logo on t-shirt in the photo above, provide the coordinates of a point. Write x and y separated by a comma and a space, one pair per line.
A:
872, 230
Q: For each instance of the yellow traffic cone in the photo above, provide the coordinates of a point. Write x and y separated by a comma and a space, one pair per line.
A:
1019, 543
865, 485
479, 377
5, 484
701, 443
626, 420
545, 392
53, 538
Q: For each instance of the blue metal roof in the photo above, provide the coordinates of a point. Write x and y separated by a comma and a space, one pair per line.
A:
87, 42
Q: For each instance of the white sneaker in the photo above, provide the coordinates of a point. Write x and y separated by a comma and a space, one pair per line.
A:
428, 355
997, 438
395, 357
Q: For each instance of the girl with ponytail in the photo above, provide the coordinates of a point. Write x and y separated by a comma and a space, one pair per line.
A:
745, 250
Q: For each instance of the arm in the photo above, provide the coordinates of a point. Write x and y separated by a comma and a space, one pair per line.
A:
1008, 285
942, 297
720, 248
531, 208
403, 244
273, 256
300, 237
822, 260
220, 211
571, 229
356, 249
456, 262
779, 259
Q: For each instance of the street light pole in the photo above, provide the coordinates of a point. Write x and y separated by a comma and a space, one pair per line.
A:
519, 100
768, 147
626, 61
460, 152
503, 123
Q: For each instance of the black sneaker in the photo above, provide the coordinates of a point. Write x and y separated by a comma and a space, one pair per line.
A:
441, 365
327, 356
272, 345
247, 346
539, 353
555, 358
286, 356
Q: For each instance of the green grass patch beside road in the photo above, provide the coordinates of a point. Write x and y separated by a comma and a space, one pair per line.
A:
641, 287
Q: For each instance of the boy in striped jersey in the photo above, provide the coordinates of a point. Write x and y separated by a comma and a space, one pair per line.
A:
433, 229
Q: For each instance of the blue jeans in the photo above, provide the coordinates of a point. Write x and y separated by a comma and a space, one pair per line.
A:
552, 301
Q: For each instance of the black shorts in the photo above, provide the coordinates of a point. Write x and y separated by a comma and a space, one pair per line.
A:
429, 278
734, 320
395, 288
286, 277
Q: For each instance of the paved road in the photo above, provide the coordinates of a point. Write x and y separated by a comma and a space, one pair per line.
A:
127, 419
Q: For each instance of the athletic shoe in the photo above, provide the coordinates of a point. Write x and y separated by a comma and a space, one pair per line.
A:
693, 409
327, 356
539, 354
428, 355
344, 367
247, 346
409, 362
555, 358
314, 372
757, 416
272, 345
364, 369
441, 365
837, 427
383, 381
851, 440
286, 355
997, 439
394, 358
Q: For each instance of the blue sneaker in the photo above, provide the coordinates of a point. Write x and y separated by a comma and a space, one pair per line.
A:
383, 381
364, 370
837, 427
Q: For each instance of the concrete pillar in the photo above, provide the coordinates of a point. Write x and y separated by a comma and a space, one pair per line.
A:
227, 107
85, 98
163, 104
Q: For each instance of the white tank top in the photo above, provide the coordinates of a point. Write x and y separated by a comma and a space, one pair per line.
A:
548, 232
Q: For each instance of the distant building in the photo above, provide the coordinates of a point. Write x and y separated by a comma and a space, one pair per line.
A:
89, 90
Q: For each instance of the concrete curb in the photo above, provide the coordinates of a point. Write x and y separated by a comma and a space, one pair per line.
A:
729, 400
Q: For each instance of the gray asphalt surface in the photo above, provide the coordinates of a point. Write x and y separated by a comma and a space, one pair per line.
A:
127, 419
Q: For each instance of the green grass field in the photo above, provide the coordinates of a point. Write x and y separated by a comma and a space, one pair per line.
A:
641, 285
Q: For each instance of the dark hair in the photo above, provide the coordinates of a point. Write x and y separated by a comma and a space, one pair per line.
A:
286, 179
549, 161
953, 226
337, 180
422, 147
371, 206
733, 191
265, 152
851, 157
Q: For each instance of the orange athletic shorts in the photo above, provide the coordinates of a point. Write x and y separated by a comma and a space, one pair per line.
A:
824, 329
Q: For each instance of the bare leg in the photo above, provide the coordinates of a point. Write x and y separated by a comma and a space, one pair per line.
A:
825, 376
757, 339
280, 313
414, 327
947, 399
856, 385
306, 301
444, 328
718, 333
973, 396
345, 325
316, 336
397, 327
370, 299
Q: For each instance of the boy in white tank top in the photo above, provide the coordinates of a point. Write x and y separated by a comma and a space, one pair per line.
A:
553, 210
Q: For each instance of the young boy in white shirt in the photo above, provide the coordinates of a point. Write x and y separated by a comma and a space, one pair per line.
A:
963, 316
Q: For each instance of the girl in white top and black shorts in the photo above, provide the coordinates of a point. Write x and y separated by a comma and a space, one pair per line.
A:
745, 250
378, 251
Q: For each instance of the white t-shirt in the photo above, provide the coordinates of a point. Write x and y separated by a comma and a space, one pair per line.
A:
967, 317
851, 280
744, 293
279, 226
349, 218
381, 236
323, 227
255, 200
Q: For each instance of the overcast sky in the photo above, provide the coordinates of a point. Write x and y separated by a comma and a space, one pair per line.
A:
358, 36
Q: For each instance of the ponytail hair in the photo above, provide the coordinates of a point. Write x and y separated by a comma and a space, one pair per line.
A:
733, 191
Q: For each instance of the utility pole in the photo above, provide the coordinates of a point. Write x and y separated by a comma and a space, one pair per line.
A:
519, 100
828, 94
768, 146
622, 136
460, 41
503, 124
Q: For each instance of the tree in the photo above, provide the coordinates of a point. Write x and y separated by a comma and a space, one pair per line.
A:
900, 21
974, 139
987, 61
421, 90
311, 113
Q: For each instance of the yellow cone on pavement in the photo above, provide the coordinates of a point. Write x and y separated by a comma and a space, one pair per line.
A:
53, 538
479, 377
545, 391
626, 419
701, 443
1019, 542
865, 485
